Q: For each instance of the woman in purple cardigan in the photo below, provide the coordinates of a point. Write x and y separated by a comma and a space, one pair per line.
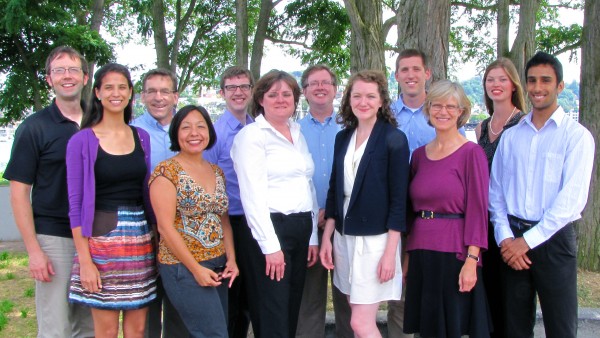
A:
448, 191
108, 165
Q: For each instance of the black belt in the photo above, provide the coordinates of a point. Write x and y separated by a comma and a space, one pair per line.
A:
521, 224
427, 214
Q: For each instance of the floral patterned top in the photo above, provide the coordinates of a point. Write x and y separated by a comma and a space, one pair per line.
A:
198, 215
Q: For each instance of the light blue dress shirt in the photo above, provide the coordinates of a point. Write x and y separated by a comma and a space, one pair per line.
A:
541, 175
414, 125
227, 127
159, 138
320, 138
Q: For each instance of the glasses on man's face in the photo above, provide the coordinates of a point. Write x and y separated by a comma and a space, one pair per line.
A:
321, 83
63, 70
163, 92
450, 108
233, 88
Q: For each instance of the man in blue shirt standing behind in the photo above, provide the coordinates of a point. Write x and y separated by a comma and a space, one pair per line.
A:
319, 85
236, 89
159, 95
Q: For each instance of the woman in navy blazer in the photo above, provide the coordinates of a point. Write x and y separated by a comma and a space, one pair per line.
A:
366, 202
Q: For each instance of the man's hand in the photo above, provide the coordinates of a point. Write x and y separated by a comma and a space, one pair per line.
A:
313, 255
40, 267
275, 265
514, 253
321, 219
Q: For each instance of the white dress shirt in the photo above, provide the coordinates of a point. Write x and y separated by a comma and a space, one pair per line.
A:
541, 175
274, 176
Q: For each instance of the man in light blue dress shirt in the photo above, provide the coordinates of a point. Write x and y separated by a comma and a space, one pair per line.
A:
236, 88
159, 96
319, 86
539, 186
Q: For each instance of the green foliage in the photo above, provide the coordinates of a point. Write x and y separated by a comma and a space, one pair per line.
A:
30, 292
4, 256
24, 313
29, 30
5, 307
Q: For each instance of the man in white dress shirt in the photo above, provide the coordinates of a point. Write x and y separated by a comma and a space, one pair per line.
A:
539, 186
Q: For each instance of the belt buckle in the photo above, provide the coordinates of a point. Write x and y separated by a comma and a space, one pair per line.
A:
426, 214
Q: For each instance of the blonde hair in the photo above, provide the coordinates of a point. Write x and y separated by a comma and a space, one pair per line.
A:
443, 90
517, 98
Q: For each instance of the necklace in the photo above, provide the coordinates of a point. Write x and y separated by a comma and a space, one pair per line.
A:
505, 122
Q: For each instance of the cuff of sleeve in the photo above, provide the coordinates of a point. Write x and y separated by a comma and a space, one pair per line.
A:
269, 246
314, 239
502, 232
533, 237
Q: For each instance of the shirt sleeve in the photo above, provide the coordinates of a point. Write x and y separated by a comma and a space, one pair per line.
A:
75, 176
572, 197
314, 237
248, 153
398, 153
497, 201
476, 203
25, 155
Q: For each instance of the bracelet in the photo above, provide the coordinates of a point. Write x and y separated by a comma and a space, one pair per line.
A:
476, 258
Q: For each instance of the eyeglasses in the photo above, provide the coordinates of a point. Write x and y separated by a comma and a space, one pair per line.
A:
233, 88
164, 92
70, 70
317, 83
450, 108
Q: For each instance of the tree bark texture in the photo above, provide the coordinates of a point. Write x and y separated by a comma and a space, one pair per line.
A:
241, 33
425, 25
259, 37
160, 34
588, 228
503, 25
366, 40
95, 23
524, 46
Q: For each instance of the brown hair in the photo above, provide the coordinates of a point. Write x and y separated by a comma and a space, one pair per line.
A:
265, 83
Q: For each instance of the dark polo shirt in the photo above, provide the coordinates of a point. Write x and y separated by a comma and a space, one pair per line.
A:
38, 159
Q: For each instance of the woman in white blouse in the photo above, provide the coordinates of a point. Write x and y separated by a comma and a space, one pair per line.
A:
274, 170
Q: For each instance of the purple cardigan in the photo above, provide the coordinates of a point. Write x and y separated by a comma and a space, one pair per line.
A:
82, 151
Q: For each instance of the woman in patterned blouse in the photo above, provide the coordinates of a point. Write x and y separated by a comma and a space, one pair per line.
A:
196, 255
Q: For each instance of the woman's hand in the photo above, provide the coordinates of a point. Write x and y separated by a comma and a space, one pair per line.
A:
313, 255
468, 275
386, 268
90, 277
231, 271
206, 277
275, 265
326, 253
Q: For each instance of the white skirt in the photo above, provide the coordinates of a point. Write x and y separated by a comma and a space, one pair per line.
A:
355, 274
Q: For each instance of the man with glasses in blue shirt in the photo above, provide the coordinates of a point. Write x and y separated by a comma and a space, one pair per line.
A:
236, 88
160, 96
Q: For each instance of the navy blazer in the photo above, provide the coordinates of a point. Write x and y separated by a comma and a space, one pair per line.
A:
379, 195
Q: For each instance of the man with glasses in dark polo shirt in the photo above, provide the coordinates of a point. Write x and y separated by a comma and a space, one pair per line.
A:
38, 189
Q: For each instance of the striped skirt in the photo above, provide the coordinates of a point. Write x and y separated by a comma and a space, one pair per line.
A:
126, 262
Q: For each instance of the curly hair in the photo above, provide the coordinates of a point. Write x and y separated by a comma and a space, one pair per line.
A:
345, 115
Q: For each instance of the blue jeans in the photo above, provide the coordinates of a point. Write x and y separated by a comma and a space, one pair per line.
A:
202, 309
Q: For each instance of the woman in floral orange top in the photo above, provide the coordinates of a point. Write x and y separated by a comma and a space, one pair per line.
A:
196, 256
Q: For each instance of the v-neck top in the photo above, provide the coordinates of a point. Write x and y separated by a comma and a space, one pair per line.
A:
198, 213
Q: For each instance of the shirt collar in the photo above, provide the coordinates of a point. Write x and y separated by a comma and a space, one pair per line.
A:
151, 121
264, 124
328, 119
557, 116
232, 122
401, 105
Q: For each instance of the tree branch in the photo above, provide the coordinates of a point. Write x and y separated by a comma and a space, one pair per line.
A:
472, 6
288, 42
568, 48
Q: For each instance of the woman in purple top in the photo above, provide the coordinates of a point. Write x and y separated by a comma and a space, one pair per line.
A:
107, 173
445, 296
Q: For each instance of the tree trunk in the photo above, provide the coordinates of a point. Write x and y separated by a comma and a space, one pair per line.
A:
241, 33
588, 228
95, 23
524, 46
428, 33
259, 37
503, 25
160, 35
366, 40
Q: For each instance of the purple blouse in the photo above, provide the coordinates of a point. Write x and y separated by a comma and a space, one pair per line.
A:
82, 151
456, 184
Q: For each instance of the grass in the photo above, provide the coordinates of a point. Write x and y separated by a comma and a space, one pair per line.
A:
3, 182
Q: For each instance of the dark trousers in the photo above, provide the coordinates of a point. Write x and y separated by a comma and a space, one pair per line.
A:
553, 276
163, 317
274, 305
492, 279
239, 316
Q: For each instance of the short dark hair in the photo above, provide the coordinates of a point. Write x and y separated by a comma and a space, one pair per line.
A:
541, 58
266, 82
345, 115
411, 52
160, 72
71, 52
316, 68
235, 71
180, 116
95, 111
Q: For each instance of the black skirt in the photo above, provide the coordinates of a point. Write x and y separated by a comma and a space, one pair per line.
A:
434, 306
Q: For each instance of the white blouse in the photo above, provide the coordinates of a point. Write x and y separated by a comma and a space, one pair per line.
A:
274, 176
